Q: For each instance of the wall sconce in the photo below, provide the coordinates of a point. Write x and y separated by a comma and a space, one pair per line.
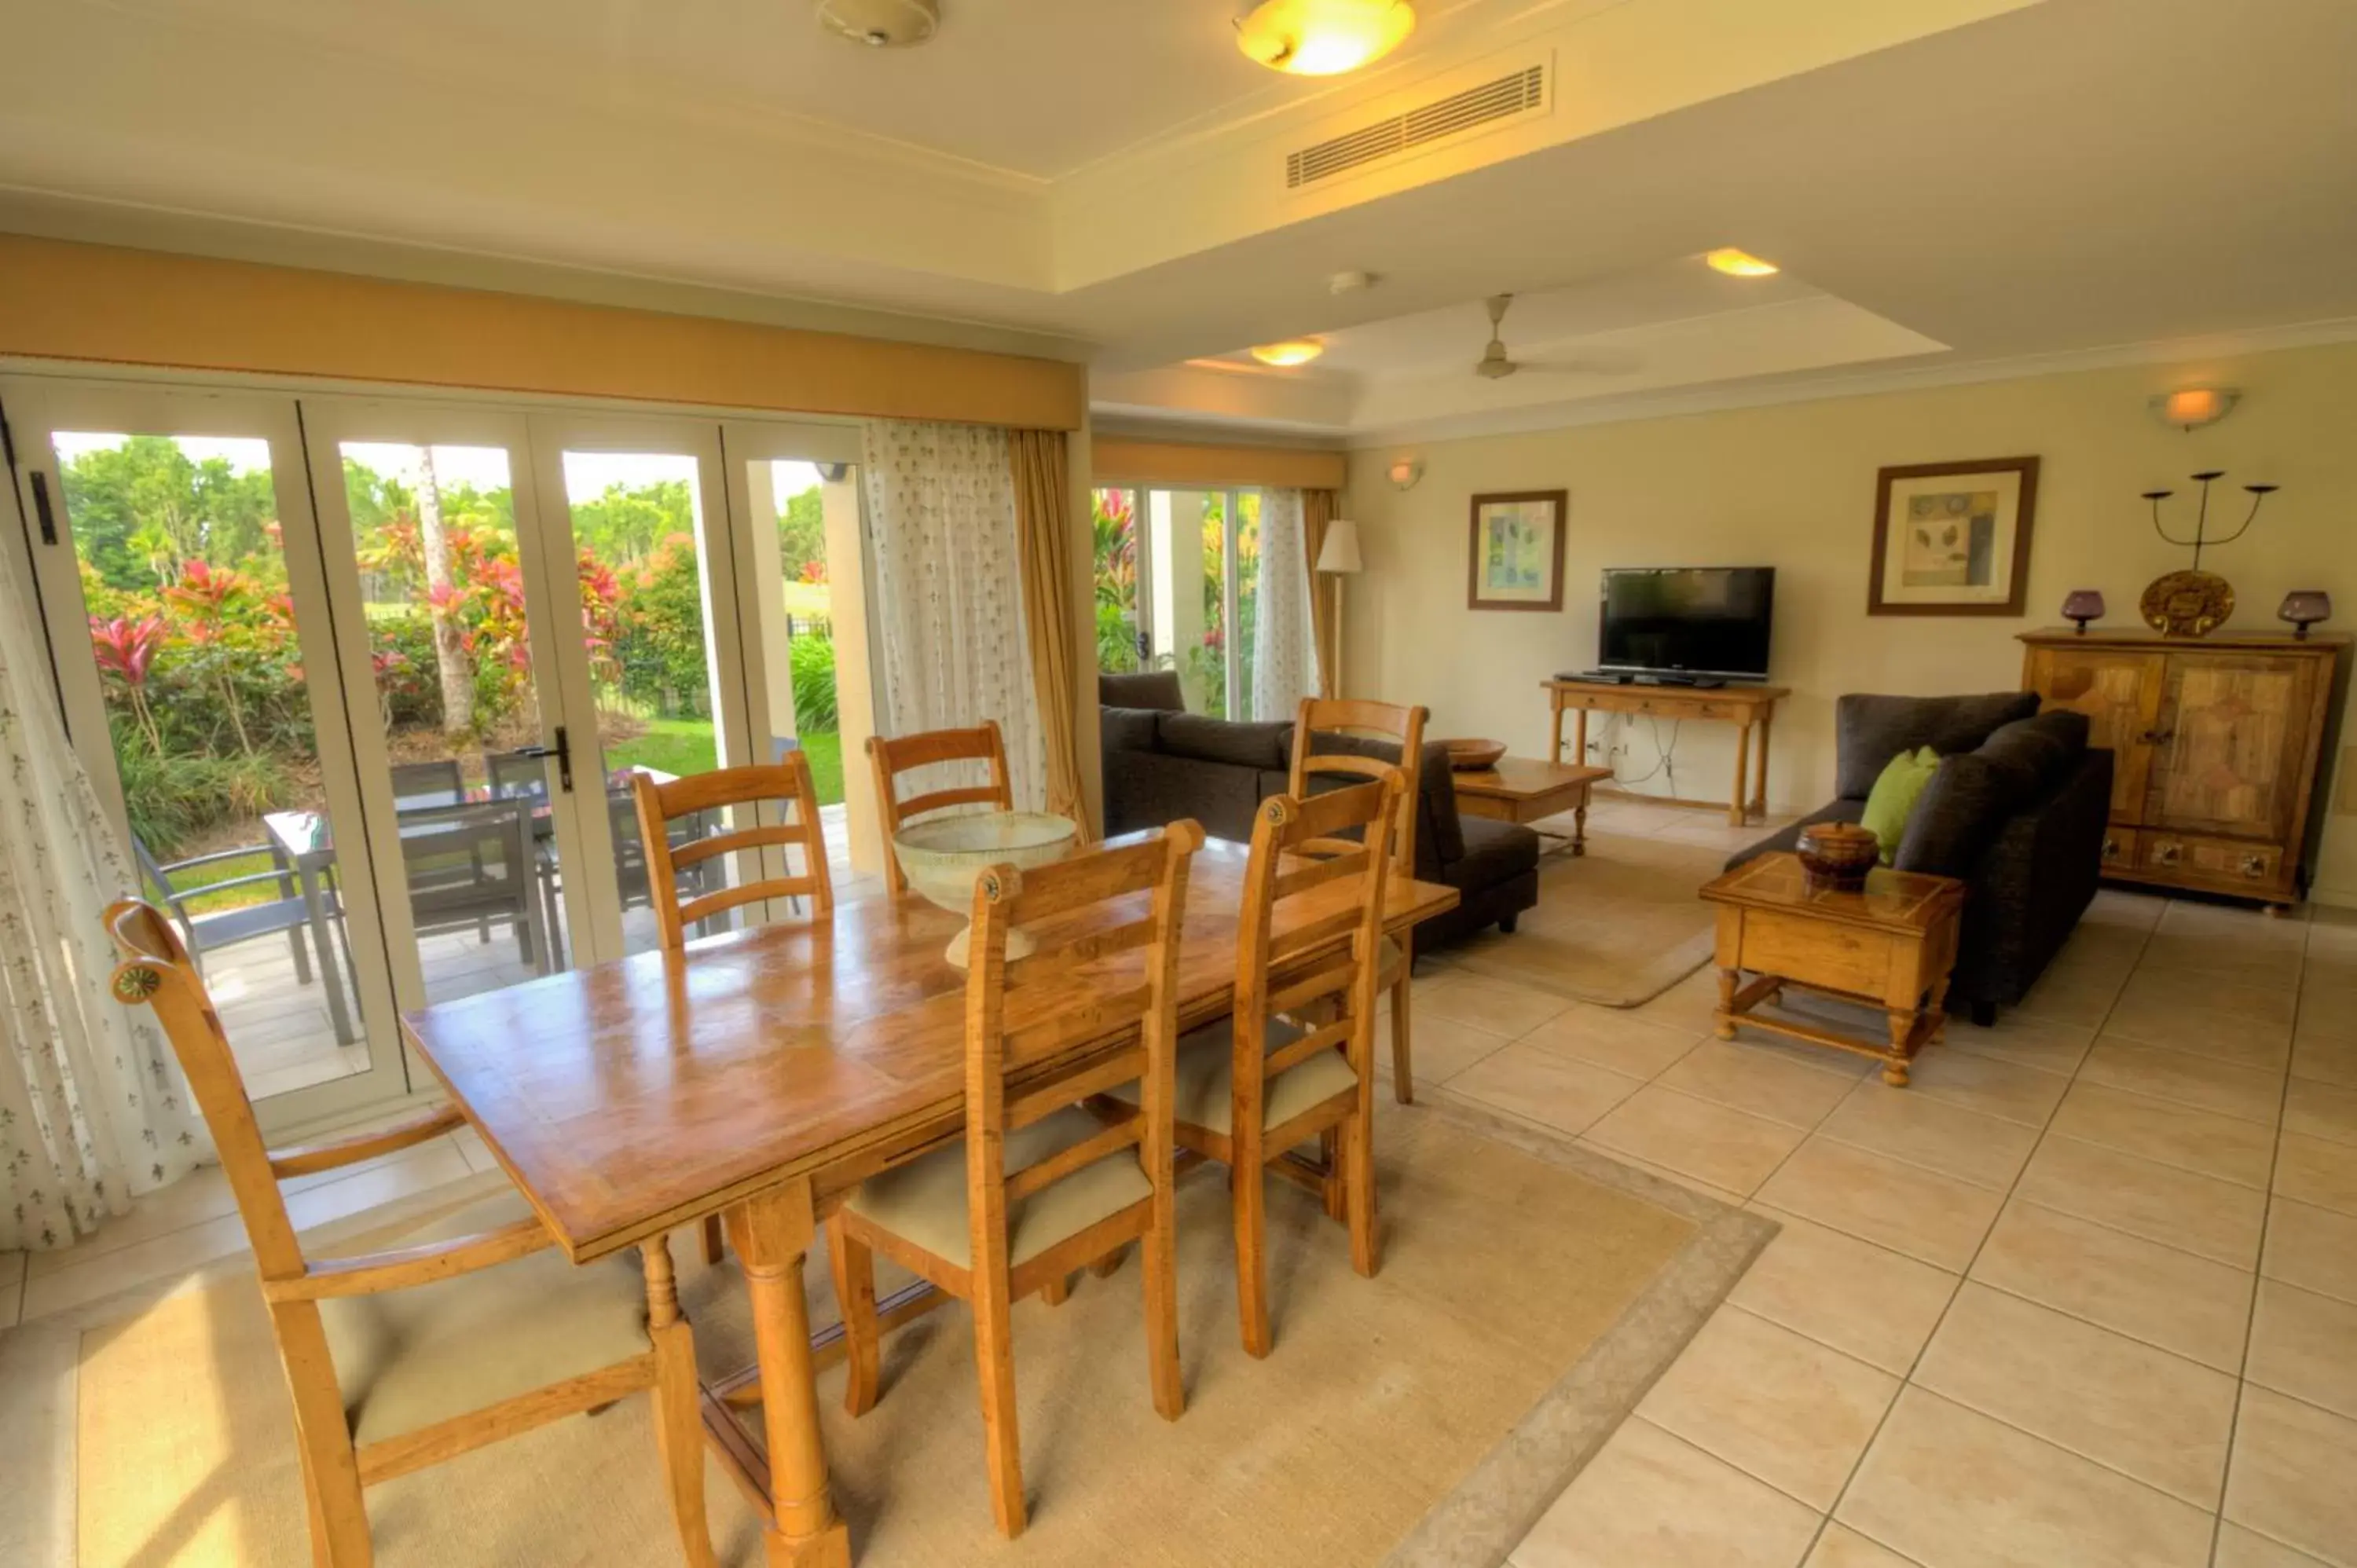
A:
1406, 472
2191, 408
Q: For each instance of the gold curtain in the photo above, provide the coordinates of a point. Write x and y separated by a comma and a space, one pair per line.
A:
1043, 532
1316, 511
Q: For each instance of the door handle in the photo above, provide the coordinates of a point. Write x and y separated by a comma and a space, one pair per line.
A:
562, 751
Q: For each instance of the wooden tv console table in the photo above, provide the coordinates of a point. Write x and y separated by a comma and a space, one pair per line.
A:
1746, 707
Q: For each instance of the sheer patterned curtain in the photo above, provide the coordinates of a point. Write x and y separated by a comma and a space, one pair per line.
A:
1285, 655
92, 1108
949, 589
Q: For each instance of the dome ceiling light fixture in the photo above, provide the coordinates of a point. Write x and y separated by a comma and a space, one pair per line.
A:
1738, 263
1323, 37
1292, 351
881, 24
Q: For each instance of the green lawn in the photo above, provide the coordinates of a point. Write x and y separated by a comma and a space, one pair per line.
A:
686, 745
252, 865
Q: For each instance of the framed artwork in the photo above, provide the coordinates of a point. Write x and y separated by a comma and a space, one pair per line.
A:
1517, 551
1953, 539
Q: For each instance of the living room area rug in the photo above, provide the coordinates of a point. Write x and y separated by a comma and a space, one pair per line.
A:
1616, 927
1530, 1293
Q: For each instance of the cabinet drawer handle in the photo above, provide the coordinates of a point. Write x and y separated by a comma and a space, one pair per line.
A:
2254, 865
2168, 854
2111, 849
2155, 736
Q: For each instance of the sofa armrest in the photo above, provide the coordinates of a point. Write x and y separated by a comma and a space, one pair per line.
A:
2032, 883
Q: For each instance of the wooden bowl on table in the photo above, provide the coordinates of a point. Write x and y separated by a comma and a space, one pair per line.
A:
1835, 856
1472, 756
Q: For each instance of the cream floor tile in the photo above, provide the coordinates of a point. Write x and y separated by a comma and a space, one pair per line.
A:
1551, 1091
2243, 1040
2220, 1219
1992, 1088
1612, 1038
2241, 1548
472, 1149
2199, 1081
2160, 1418
2326, 1060
1499, 1007
2082, 1001
2314, 1171
2315, 1249
1649, 1498
1716, 1143
2289, 1477
1733, 1073
2167, 1132
1934, 1218
2130, 911
1842, 1547
1691, 1005
175, 1253
2163, 985
1952, 1488
1441, 1048
1679, 1178
2163, 1296
405, 1174
1986, 1151
1814, 1280
2025, 1041
2304, 1345
204, 1194
2327, 1111
1785, 1409
2268, 966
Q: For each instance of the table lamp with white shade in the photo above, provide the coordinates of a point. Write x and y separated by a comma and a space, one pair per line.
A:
1339, 556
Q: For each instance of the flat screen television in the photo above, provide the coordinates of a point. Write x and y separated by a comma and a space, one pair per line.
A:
1708, 621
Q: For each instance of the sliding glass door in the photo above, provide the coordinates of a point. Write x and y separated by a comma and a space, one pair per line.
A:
181, 574
1177, 587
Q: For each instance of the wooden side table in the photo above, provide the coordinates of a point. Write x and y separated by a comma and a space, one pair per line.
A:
1745, 707
1890, 946
1522, 792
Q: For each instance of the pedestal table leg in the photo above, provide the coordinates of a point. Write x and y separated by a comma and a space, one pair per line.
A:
771, 1233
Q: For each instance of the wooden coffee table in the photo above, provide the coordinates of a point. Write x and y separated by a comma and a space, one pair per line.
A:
1890, 946
1519, 790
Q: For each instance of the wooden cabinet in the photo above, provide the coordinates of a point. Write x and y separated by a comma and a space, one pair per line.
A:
2216, 750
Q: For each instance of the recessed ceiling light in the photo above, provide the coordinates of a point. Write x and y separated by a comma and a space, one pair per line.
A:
1323, 37
1292, 351
881, 24
1738, 263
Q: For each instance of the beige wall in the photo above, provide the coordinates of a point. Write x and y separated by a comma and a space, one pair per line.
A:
1794, 487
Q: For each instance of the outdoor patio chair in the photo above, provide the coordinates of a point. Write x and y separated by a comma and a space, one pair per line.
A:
515, 778
217, 928
468, 865
418, 786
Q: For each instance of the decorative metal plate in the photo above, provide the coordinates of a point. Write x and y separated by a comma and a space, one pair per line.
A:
2187, 604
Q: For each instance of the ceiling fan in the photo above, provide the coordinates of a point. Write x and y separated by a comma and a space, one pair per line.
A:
1496, 364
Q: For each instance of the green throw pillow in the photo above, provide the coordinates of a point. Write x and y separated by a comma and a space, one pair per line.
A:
1892, 799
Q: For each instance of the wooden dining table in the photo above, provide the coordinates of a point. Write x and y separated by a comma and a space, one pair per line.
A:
762, 1075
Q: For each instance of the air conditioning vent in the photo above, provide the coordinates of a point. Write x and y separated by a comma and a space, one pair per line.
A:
1520, 93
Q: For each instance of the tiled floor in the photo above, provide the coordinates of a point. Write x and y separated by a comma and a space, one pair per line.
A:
2086, 1293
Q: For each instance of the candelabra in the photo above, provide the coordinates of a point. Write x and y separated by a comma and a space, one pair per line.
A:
2195, 603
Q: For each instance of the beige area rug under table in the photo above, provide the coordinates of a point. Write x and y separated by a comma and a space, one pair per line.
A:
1530, 1292
1616, 927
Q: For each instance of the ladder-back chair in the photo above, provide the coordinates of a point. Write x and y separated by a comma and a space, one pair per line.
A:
892, 757
786, 784
1041, 1185
473, 1330
1261, 1083
1404, 727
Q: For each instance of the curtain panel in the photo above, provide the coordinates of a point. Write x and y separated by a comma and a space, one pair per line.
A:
1316, 511
950, 625
1043, 528
1284, 661
93, 1109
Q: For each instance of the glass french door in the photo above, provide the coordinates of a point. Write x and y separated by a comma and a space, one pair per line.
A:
179, 570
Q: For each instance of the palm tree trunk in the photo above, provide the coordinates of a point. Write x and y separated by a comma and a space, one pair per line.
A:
449, 650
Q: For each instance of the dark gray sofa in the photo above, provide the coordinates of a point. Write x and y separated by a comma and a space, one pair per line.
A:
1162, 763
2017, 810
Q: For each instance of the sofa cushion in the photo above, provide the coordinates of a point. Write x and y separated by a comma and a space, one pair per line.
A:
1152, 788
1891, 803
1969, 800
2041, 749
1156, 688
1127, 729
1494, 852
1870, 730
1253, 746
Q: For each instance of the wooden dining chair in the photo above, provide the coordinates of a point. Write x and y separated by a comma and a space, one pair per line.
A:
1404, 728
472, 1331
1041, 1186
787, 784
892, 757
1262, 1083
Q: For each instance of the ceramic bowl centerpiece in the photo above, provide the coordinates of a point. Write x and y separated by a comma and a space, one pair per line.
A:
1835, 856
943, 855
